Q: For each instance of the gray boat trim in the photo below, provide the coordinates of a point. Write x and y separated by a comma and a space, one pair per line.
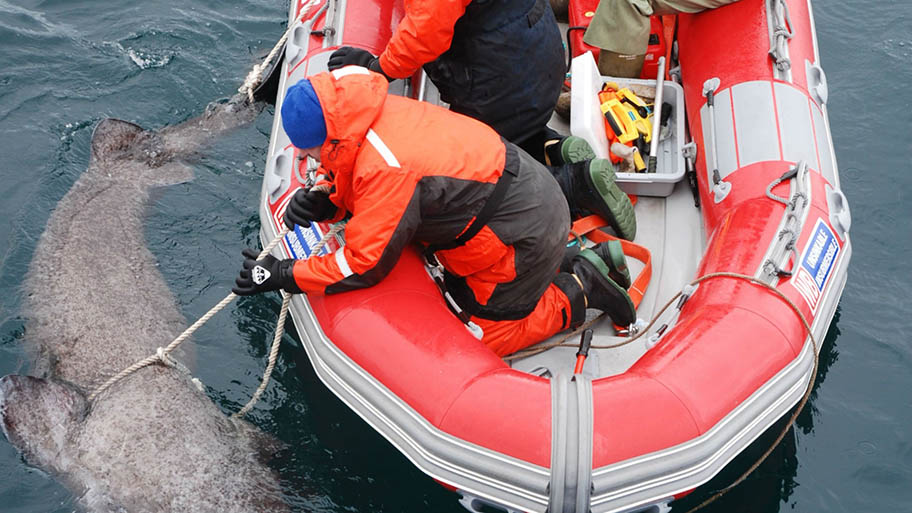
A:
477, 470
571, 444
813, 31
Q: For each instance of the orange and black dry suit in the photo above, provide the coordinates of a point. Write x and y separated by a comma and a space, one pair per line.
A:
409, 171
498, 61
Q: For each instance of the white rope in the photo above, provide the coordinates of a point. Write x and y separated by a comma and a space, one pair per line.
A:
256, 74
163, 354
280, 329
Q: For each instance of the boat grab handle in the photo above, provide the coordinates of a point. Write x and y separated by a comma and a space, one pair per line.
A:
817, 83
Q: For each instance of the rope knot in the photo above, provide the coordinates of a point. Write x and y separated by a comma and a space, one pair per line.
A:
164, 358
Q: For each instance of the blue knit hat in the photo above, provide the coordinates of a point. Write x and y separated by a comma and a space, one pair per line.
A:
302, 116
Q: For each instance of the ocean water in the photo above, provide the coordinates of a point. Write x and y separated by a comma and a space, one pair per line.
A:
66, 64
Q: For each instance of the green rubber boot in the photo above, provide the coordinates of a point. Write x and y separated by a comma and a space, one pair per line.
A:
590, 188
568, 150
602, 293
606, 199
611, 252
576, 149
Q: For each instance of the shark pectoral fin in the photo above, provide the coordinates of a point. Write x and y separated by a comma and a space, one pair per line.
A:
37, 416
111, 136
264, 445
171, 173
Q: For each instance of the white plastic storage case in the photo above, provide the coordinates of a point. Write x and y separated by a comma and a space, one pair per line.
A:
586, 121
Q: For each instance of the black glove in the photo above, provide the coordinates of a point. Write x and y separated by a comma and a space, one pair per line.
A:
350, 55
268, 274
347, 55
309, 205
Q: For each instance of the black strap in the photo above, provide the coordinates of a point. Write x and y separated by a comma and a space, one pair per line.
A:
511, 170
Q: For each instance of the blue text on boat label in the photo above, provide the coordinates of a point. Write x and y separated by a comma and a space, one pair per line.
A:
817, 262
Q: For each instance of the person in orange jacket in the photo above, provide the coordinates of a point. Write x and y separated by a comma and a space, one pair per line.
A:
501, 62
494, 217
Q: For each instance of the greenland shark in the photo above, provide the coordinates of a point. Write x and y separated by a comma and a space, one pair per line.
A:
96, 303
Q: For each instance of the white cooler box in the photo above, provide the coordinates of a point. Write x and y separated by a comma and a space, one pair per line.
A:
587, 121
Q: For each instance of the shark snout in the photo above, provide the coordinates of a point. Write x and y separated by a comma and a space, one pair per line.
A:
7, 385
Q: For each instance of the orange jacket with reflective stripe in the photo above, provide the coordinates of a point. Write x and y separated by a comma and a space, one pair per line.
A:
405, 170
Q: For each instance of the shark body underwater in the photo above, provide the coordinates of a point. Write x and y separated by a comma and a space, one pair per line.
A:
153, 442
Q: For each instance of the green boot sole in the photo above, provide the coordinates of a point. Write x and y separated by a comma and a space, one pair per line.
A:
576, 149
616, 208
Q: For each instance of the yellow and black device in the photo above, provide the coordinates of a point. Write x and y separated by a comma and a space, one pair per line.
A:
628, 120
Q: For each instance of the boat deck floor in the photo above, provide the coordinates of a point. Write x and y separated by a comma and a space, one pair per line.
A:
671, 228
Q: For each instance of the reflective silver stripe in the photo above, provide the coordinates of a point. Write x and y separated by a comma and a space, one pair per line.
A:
382, 148
343, 263
755, 122
349, 70
795, 128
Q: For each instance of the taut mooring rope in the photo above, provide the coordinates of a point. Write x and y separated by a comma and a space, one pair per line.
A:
256, 74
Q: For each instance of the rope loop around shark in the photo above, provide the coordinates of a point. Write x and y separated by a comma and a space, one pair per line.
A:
162, 354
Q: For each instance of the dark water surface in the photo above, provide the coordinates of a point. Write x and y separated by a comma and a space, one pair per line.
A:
66, 64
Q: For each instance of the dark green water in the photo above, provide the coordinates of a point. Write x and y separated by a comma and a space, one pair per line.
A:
66, 64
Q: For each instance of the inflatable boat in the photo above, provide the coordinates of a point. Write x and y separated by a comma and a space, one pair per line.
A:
746, 185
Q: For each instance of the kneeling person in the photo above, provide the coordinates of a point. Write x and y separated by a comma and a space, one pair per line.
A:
407, 171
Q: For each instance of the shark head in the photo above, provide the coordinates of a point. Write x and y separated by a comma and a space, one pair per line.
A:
125, 151
38, 417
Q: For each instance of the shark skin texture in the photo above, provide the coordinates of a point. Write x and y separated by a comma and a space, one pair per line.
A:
96, 303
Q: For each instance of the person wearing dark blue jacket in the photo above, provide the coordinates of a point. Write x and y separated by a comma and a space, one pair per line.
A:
501, 62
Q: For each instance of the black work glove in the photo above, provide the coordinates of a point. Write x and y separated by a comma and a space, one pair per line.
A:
268, 274
350, 55
347, 55
308, 205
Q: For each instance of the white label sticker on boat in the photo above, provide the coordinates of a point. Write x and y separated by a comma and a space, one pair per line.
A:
302, 239
817, 262
299, 241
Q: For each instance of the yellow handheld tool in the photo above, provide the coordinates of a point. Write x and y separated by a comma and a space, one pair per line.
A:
627, 121
622, 126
